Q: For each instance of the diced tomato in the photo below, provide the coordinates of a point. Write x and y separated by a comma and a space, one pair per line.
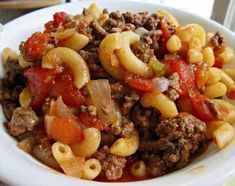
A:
165, 32
35, 46
186, 76
218, 63
201, 107
40, 81
66, 131
201, 76
49, 26
144, 85
89, 120
59, 18
64, 86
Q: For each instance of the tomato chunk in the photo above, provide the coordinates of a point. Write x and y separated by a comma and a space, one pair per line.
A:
66, 130
40, 81
202, 108
201, 76
35, 46
89, 120
49, 26
63, 86
218, 63
59, 18
186, 76
165, 32
144, 85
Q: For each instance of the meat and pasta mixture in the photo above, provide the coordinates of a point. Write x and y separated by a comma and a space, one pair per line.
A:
118, 96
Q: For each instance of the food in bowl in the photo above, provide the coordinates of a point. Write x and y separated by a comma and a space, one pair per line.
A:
118, 96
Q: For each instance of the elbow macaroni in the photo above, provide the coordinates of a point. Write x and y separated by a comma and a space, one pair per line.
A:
128, 58
89, 144
91, 169
215, 90
25, 98
230, 72
76, 41
173, 44
161, 102
208, 56
107, 49
214, 76
192, 30
60, 55
194, 56
227, 110
124, 147
61, 152
138, 169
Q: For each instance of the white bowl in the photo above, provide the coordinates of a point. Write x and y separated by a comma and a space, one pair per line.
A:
19, 168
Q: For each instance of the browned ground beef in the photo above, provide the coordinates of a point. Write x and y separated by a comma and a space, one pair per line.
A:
177, 140
112, 166
217, 40
174, 87
23, 120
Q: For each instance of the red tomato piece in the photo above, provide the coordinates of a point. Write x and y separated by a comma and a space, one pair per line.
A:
49, 26
35, 46
165, 32
59, 18
66, 131
186, 76
201, 107
40, 81
89, 120
64, 86
218, 63
144, 85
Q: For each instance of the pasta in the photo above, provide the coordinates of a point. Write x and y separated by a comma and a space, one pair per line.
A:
72, 59
215, 90
76, 41
161, 102
61, 152
124, 147
91, 169
25, 97
89, 144
107, 48
118, 96
128, 59
138, 169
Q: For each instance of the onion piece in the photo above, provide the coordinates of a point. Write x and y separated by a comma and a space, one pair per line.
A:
101, 96
48, 120
141, 31
161, 84
62, 110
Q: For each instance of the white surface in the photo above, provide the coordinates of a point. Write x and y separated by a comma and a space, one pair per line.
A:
18, 168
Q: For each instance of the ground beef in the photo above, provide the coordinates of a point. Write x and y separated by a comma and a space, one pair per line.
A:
174, 87
217, 40
115, 23
112, 166
142, 51
125, 130
152, 22
129, 101
137, 19
98, 30
23, 120
177, 140
118, 90
8, 108
107, 139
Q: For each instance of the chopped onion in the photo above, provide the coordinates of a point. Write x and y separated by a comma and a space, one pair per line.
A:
141, 31
101, 96
161, 84
63, 110
48, 120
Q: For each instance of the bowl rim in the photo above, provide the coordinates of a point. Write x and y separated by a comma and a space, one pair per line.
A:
60, 178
